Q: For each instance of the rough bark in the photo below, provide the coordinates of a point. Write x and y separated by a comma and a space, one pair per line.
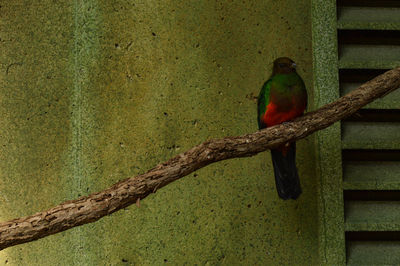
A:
91, 208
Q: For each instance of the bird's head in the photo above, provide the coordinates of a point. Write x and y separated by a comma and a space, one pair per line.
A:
284, 65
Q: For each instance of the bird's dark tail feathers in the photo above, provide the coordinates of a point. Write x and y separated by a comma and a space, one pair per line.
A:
286, 176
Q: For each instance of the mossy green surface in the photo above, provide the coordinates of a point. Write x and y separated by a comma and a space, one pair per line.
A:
111, 88
329, 161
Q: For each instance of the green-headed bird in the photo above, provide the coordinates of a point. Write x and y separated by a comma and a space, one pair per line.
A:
282, 98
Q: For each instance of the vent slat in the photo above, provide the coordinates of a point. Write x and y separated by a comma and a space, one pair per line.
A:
370, 135
373, 252
359, 56
373, 49
390, 101
367, 175
372, 215
368, 42
369, 18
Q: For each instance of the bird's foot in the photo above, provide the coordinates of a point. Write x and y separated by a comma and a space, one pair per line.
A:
287, 144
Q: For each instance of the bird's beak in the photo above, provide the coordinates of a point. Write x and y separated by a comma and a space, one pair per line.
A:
294, 65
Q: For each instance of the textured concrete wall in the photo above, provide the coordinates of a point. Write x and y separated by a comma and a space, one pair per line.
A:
93, 92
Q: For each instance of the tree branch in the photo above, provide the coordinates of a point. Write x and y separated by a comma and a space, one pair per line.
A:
91, 208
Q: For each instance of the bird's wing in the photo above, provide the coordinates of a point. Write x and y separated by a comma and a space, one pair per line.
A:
263, 101
301, 87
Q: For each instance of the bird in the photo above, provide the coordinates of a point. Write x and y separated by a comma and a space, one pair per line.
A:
282, 98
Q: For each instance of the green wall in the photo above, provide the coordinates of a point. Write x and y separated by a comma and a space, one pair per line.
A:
92, 92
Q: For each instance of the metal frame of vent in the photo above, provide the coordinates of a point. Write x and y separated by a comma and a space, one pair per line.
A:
358, 159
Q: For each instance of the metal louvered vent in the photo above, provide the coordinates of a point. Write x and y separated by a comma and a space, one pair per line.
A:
369, 44
358, 159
